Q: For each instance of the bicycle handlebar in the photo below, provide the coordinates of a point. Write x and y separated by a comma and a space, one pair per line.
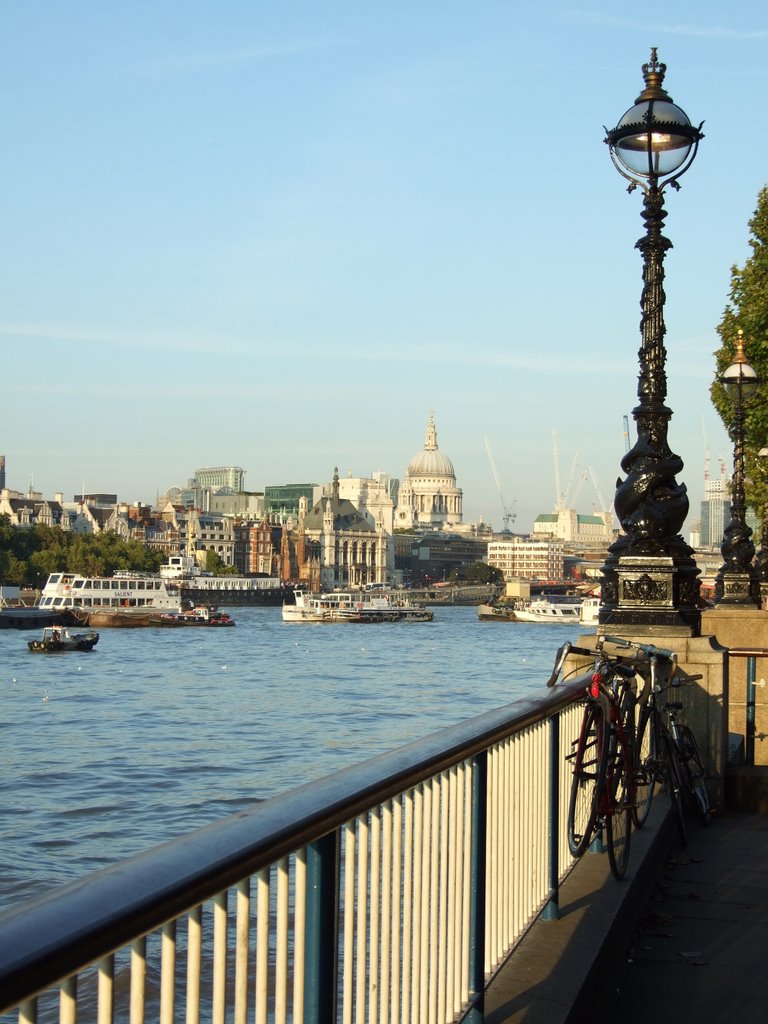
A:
648, 649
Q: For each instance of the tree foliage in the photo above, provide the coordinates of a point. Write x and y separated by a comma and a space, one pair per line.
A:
28, 556
477, 572
747, 310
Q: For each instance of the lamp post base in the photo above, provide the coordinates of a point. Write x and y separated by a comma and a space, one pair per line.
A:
737, 587
650, 595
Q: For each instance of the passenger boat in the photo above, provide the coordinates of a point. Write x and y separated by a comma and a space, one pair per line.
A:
182, 573
199, 616
540, 610
549, 611
351, 606
125, 599
58, 638
590, 611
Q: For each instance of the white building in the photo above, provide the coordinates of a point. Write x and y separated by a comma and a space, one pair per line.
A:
428, 495
532, 559
582, 531
371, 497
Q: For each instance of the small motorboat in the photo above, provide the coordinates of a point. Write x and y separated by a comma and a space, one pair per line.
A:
202, 615
57, 638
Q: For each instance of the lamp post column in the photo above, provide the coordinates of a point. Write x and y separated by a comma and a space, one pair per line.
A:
650, 579
737, 581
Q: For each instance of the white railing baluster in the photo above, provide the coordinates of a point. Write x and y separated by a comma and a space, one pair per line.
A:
167, 974
361, 918
262, 946
386, 912
106, 991
219, 958
68, 1001
374, 918
242, 942
348, 963
138, 980
194, 958
299, 934
281, 944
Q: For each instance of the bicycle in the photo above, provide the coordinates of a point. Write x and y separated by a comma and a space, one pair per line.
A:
603, 788
666, 749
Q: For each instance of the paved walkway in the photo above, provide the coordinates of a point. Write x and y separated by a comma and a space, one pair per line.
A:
683, 938
700, 952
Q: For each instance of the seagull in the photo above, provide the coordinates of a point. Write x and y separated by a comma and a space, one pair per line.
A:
45, 698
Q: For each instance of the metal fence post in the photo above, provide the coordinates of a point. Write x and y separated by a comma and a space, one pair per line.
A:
479, 812
322, 930
749, 751
551, 911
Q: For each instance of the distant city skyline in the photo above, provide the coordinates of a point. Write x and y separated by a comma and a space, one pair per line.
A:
277, 238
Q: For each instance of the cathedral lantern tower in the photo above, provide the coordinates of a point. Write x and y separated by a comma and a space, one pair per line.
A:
428, 495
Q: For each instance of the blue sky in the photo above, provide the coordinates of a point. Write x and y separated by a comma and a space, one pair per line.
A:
276, 235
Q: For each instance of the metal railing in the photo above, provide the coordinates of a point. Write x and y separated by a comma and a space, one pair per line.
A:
751, 654
386, 892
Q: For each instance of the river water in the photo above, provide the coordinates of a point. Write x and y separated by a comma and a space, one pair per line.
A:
158, 731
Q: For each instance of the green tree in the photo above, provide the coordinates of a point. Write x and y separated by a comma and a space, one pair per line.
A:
214, 565
477, 572
747, 310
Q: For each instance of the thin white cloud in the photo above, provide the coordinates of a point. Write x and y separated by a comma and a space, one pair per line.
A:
666, 28
443, 355
241, 55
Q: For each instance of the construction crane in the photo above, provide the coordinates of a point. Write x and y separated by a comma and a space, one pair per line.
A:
562, 497
509, 515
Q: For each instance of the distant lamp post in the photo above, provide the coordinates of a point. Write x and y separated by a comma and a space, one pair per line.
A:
761, 559
737, 581
650, 579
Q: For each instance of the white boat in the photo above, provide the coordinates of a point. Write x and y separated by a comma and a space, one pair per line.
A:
125, 599
352, 606
590, 611
202, 588
549, 611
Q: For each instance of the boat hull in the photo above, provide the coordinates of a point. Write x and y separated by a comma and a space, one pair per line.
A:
50, 644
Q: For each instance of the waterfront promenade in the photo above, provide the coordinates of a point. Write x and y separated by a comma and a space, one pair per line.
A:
683, 939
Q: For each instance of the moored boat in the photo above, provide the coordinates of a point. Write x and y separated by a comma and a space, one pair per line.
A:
549, 611
125, 599
57, 638
353, 606
202, 615
540, 610
181, 573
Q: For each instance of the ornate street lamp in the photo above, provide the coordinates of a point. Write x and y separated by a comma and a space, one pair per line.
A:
761, 559
650, 580
737, 581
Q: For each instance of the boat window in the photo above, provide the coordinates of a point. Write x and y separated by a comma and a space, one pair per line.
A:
55, 578
140, 584
77, 584
115, 584
95, 584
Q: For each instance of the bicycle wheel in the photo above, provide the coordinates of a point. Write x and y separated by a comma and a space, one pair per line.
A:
590, 760
694, 770
618, 814
645, 755
675, 786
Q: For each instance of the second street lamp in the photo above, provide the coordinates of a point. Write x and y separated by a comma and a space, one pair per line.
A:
761, 559
650, 580
737, 581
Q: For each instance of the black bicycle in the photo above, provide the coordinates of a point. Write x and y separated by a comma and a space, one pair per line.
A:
603, 787
666, 750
